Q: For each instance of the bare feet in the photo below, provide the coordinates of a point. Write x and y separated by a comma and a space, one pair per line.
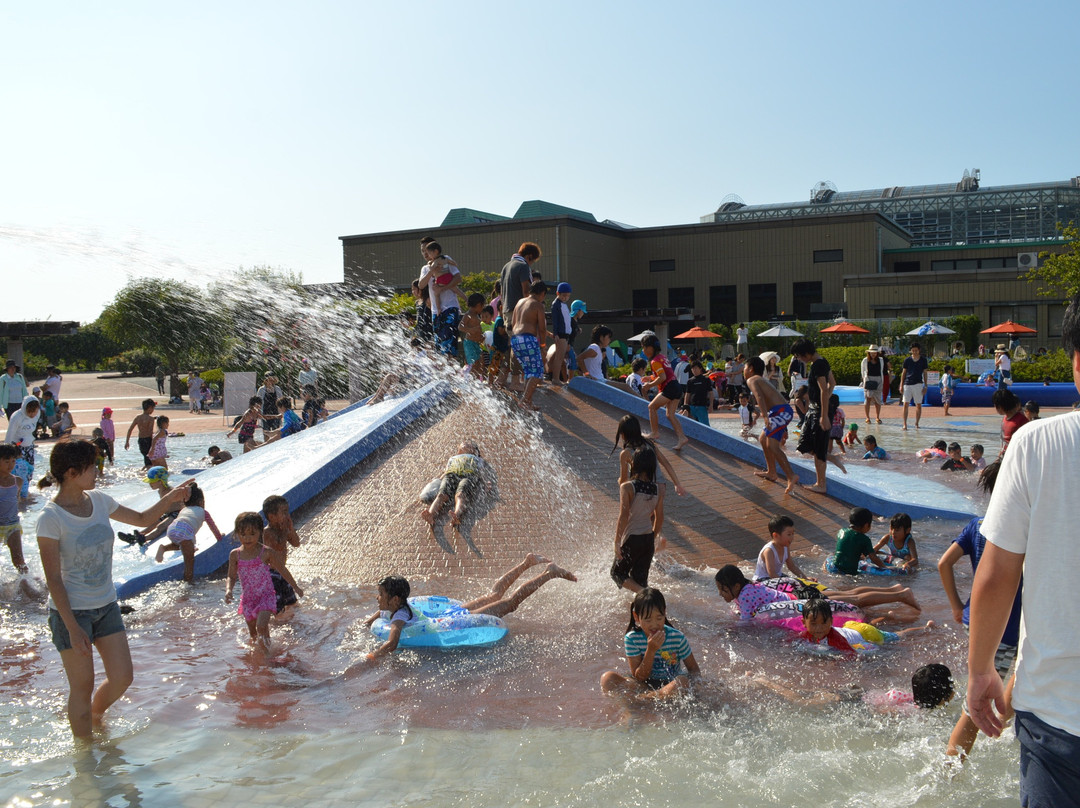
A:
455, 518
661, 545
930, 624
160, 554
765, 476
681, 444
532, 559
792, 484
428, 517
817, 489
647, 435
908, 597
559, 572
528, 406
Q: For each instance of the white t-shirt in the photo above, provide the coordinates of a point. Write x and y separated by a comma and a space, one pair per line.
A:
780, 554
594, 365
442, 298
86, 547
52, 384
1031, 511
744, 414
634, 382
682, 373
741, 335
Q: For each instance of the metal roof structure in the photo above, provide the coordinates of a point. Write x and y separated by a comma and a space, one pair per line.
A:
960, 213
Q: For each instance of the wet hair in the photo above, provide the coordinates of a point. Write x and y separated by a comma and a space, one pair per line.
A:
729, 575
758, 365
274, 503
600, 331
488, 310
900, 520
978, 446
869, 439
196, 496
629, 430
940, 444
538, 288
474, 299
647, 601
529, 250
803, 347
213, 449
254, 400
644, 462
1032, 406
818, 607
148, 403
638, 364
71, 455
284, 403
1005, 400
778, 523
397, 587
860, 516
1070, 326
248, 520
954, 447
162, 420
9, 451
651, 341
988, 477
932, 685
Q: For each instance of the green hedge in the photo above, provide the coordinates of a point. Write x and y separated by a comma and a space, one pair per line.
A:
847, 366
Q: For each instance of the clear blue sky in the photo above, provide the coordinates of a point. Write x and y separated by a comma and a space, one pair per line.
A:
189, 139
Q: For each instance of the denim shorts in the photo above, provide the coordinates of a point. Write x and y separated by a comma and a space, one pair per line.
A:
97, 623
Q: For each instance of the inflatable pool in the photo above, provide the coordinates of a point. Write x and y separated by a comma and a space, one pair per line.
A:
1056, 394
444, 623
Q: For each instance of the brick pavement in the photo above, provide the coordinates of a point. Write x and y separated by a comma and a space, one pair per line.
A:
558, 495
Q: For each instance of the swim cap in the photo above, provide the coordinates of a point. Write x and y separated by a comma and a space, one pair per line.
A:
578, 305
106, 411
156, 474
562, 287
853, 427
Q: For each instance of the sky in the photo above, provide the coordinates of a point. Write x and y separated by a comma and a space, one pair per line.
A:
187, 140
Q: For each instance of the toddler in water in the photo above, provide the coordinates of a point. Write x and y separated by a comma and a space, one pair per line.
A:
939, 451
183, 529
394, 601
248, 422
851, 437
278, 535
10, 498
661, 661
745, 596
931, 687
898, 544
818, 629
158, 453
108, 430
746, 415
97, 437
251, 562
873, 451
836, 434
977, 461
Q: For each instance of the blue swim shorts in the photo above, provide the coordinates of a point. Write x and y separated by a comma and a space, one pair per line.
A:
527, 352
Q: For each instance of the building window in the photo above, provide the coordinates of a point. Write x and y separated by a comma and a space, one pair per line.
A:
941, 312
828, 256
805, 295
890, 314
967, 263
1024, 315
723, 304
681, 297
907, 266
667, 265
762, 301
942, 266
645, 299
1055, 318
991, 263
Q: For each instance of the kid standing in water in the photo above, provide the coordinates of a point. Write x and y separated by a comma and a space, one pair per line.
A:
75, 539
158, 453
663, 379
898, 543
108, 430
185, 527
629, 433
251, 562
661, 661
641, 515
394, 605
145, 425
278, 535
10, 497
249, 421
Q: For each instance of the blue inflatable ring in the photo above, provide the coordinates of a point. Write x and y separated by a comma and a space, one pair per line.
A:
444, 623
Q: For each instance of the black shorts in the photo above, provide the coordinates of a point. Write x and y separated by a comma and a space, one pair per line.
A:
672, 391
637, 555
144, 447
285, 594
815, 440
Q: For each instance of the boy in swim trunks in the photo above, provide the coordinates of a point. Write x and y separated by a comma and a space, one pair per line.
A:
528, 324
278, 535
473, 334
461, 480
145, 424
779, 416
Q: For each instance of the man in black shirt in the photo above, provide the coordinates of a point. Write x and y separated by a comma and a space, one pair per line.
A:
815, 435
913, 383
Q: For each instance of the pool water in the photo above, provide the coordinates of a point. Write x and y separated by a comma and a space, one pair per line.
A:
210, 722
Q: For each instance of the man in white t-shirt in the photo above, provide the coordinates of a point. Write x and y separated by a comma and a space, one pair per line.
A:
1028, 530
742, 334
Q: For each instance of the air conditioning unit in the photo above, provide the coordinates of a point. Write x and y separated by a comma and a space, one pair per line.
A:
1027, 260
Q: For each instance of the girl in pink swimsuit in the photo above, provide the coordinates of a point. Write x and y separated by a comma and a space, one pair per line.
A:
251, 562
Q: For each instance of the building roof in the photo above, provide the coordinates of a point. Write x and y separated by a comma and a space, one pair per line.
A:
471, 216
538, 209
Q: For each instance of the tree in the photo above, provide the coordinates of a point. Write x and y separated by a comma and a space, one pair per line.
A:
169, 318
1060, 272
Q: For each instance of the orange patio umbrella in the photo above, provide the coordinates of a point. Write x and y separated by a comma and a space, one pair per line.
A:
844, 328
1009, 327
697, 332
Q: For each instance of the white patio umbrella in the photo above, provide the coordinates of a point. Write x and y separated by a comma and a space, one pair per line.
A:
929, 329
641, 336
780, 331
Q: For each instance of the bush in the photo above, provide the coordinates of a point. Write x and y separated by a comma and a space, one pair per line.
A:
213, 376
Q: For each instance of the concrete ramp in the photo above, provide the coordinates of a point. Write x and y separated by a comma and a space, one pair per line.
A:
557, 495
